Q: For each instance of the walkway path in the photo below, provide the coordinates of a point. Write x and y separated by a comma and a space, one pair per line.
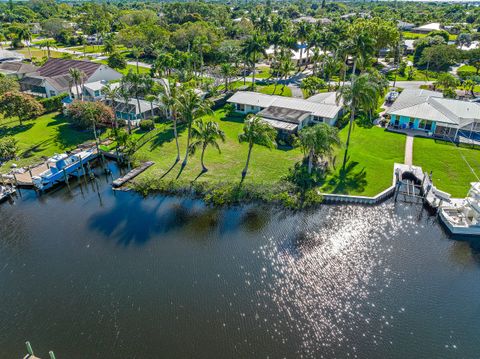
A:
409, 150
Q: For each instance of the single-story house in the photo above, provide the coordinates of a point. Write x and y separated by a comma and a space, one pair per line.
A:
132, 112
288, 114
54, 77
430, 113
309, 19
425, 29
408, 46
16, 69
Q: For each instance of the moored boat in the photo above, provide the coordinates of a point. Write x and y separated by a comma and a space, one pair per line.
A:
6, 192
60, 167
463, 217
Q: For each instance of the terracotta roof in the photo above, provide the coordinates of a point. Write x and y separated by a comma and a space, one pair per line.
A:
57, 67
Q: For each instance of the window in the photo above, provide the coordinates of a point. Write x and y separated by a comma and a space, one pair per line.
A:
240, 107
97, 93
425, 125
52, 93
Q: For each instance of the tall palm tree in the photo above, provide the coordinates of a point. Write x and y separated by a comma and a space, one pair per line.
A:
111, 93
151, 98
286, 67
24, 34
252, 49
124, 93
168, 99
138, 85
362, 93
191, 107
318, 140
136, 52
48, 44
227, 71
302, 33
360, 45
204, 135
256, 131
77, 76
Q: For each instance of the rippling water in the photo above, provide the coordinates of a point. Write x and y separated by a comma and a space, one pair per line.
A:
98, 274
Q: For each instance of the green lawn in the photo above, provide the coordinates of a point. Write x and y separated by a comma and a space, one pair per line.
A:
412, 36
44, 136
142, 70
281, 90
371, 156
450, 172
39, 53
266, 165
368, 172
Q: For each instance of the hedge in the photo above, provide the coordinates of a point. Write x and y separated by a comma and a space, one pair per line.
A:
54, 103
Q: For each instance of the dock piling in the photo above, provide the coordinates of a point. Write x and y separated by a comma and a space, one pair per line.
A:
51, 354
29, 348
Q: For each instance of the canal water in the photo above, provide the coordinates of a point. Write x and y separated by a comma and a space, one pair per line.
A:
93, 273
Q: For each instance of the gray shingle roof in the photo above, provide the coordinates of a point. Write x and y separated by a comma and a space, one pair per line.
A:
430, 105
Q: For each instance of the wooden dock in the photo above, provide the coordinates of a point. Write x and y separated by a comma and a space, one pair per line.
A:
119, 182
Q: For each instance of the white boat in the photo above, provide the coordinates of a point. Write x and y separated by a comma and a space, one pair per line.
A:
6, 192
60, 167
463, 217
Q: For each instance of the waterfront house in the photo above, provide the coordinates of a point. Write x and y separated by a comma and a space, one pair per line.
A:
288, 114
430, 114
54, 78
132, 112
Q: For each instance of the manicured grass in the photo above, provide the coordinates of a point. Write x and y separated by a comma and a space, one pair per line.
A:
371, 156
142, 70
449, 170
263, 72
412, 36
369, 171
418, 76
39, 53
44, 136
266, 166
280, 90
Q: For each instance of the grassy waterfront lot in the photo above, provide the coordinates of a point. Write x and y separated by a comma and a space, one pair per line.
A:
44, 136
449, 170
369, 168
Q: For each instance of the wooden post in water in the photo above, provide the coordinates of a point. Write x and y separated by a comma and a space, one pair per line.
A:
65, 176
51, 354
29, 348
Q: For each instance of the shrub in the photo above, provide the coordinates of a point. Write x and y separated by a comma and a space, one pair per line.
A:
21, 105
85, 114
54, 103
147, 125
8, 148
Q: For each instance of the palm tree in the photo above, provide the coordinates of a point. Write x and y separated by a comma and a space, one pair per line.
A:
252, 49
318, 140
151, 98
124, 93
111, 93
136, 54
77, 76
138, 85
227, 71
286, 67
25, 34
302, 33
48, 44
168, 99
256, 131
362, 93
204, 135
191, 107
361, 45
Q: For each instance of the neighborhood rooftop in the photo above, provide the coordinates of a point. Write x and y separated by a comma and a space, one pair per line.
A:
320, 105
431, 106
55, 67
